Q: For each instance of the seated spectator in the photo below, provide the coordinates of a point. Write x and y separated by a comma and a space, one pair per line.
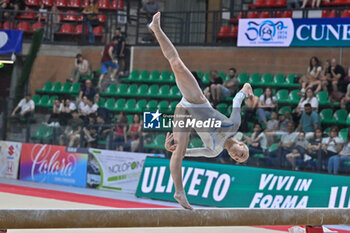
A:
257, 143
90, 13
298, 151
87, 90
249, 112
337, 81
56, 112
90, 130
283, 120
229, 88
308, 99
87, 107
309, 121
312, 75
330, 146
271, 127
134, 133
52, 24
213, 93
285, 145
66, 109
71, 135
267, 103
42, 11
81, 68
121, 139
335, 162
27, 107
345, 101
149, 8
314, 145
326, 76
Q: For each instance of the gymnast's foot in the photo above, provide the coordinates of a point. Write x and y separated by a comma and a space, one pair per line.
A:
155, 24
182, 200
248, 90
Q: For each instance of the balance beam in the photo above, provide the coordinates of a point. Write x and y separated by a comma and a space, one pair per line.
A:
99, 218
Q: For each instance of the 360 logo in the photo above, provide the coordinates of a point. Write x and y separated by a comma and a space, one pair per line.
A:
265, 30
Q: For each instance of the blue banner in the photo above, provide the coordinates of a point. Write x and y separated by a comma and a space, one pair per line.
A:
10, 41
287, 32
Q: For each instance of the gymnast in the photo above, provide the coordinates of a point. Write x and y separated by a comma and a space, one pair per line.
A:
195, 104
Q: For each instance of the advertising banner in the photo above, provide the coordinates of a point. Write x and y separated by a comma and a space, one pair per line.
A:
116, 170
53, 164
221, 185
10, 153
287, 32
10, 41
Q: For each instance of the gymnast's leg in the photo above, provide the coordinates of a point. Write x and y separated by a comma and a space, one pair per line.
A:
184, 79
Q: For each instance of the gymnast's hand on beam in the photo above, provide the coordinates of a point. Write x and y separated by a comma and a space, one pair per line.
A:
168, 142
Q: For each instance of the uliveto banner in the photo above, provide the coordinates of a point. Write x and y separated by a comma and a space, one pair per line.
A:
9, 159
53, 164
245, 187
117, 170
287, 32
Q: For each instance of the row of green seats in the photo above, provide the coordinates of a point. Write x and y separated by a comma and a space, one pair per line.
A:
58, 88
44, 101
143, 90
269, 80
43, 132
339, 117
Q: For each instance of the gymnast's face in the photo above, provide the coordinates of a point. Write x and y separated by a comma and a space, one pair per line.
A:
238, 151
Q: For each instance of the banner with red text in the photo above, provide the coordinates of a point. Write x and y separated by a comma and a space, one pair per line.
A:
53, 164
9, 159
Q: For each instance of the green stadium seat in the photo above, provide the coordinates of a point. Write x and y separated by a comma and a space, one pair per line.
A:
323, 98
172, 77
222, 108
119, 105
153, 90
74, 90
46, 89
229, 109
243, 78
273, 147
134, 76
289, 83
222, 75
343, 133
165, 77
122, 90
163, 106
98, 71
255, 79
152, 105
154, 76
196, 142
132, 90
140, 105
101, 102
130, 118
172, 107
348, 119
278, 80
144, 76
267, 80
293, 97
174, 92
326, 116
39, 134
200, 74
205, 78
339, 117
164, 91
56, 88
258, 92
50, 102
327, 130
285, 109
109, 104
142, 90
129, 106
43, 101
157, 143
282, 96
110, 91
36, 99
65, 88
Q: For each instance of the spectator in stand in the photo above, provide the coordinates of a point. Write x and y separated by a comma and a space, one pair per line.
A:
257, 142
108, 61
314, 3
267, 103
212, 93
326, 75
87, 107
271, 127
337, 81
249, 112
52, 24
27, 107
335, 162
345, 101
330, 146
298, 151
309, 121
42, 11
121, 127
119, 51
314, 146
66, 109
87, 90
14, 5
285, 145
283, 121
56, 112
133, 133
71, 135
90, 13
90, 130
308, 98
312, 75
149, 8
81, 68
290, 4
